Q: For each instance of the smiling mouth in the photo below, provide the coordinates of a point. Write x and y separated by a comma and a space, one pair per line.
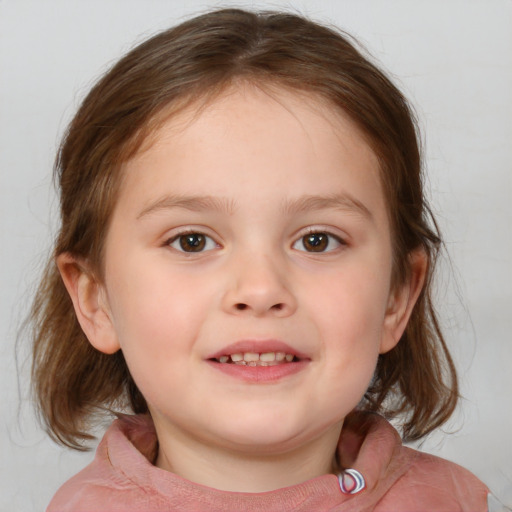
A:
257, 359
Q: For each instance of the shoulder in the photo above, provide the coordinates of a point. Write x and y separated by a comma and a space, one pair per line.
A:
92, 489
432, 483
116, 475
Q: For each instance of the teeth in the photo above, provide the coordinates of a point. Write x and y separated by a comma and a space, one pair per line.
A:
256, 359
251, 357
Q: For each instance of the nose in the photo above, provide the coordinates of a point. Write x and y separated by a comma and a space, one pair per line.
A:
258, 286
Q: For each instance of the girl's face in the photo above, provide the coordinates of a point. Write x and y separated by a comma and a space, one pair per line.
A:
254, 229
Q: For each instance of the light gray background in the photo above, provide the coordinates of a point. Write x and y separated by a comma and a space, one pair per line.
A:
451, 57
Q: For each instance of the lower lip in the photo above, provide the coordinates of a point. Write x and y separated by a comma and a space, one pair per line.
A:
260, 374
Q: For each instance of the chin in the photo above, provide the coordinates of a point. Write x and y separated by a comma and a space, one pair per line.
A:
259, 443
267, 434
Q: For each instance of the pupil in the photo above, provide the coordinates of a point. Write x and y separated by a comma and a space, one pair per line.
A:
193, 242
316, 242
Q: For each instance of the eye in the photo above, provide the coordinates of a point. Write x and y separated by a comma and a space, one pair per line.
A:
318, 241
192, 242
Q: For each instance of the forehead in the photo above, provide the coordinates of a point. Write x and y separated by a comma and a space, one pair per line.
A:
266, 137
242, 98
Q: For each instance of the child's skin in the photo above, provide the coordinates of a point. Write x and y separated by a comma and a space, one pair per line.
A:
256, 173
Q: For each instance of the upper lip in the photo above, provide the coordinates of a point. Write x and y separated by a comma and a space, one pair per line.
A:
257, 347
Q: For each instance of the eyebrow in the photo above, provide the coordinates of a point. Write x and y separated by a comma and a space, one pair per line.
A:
344, 202
191, 203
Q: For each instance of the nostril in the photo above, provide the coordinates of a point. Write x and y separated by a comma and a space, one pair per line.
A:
241, 306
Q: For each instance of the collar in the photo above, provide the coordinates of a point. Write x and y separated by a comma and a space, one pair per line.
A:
369, 446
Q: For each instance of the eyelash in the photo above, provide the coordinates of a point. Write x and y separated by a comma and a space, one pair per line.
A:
203, 242
329, 239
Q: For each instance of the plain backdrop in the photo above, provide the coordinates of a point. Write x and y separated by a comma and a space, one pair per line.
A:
452, 58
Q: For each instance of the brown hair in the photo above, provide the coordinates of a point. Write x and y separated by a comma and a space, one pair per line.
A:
74, 382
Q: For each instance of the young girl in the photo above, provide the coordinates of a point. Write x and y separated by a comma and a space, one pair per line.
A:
245, 263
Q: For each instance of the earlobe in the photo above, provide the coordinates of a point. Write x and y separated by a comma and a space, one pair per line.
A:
90, 304
402, 301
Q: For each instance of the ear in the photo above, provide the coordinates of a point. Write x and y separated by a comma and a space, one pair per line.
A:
90, 303
402, 300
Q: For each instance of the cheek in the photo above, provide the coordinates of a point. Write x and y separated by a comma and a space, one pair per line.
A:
156, 334
351, 304
158, 315
349, 310
145, 295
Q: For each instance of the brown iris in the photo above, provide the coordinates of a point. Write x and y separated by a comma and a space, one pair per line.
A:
192, 242
315, 242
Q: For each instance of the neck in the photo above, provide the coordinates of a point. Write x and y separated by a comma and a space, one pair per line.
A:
232, 470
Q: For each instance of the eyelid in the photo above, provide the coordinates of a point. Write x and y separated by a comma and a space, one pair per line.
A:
190, 230
340, 238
